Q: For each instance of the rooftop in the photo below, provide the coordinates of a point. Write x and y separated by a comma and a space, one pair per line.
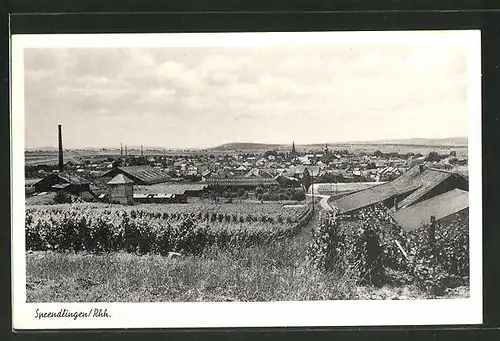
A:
143, 174
440, 206
120, 179
413, 182
72, 178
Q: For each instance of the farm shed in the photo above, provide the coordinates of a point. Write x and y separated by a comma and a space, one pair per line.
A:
413, 186
441, 207
140, 175
70, 182
29, 186
121, 190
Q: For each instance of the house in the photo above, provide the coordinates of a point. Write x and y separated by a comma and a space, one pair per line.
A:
416, 185
287, 181
140, 175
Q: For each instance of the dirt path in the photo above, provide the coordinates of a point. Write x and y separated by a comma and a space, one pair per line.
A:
306, 230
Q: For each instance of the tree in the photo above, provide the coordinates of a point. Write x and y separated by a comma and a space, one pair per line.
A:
453, 154
372, 165
378, 153
433, 157
270, 153
306, 180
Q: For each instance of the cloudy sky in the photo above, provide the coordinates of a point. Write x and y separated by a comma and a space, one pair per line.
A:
190, 97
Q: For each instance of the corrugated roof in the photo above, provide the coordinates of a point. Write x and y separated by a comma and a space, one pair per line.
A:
429, 179
73, 179
405, 183
120, 179
145, 174
440, 206
252, 181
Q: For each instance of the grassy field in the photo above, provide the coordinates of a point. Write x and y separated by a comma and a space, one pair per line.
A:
276, 271
272, 273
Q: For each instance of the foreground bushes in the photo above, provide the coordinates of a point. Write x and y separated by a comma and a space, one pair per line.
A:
78, 228
366, 246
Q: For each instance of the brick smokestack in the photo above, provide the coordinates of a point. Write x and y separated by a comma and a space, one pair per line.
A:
61, 158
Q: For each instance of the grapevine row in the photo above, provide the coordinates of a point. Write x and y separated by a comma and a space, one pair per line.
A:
103, 230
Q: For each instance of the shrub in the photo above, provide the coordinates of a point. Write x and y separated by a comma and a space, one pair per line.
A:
365, 244
62, 197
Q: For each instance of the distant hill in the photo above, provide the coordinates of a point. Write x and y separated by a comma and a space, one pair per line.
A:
244, 145
444, 142
450, 141
417, 142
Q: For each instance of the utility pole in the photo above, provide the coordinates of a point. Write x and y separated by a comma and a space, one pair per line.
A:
312, 190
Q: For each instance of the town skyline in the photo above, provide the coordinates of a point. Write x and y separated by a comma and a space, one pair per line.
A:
459, 141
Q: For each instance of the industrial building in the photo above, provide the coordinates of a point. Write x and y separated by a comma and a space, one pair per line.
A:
443, 208
140, 175
416, 185
70, 183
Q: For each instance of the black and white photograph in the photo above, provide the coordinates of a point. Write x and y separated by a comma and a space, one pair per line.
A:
246, 179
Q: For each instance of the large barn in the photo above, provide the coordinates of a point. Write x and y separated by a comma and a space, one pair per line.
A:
140, 175
414, 186
442, 207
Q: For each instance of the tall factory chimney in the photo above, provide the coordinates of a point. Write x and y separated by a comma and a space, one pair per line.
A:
61, 159
125, 150
142, 151
121, 149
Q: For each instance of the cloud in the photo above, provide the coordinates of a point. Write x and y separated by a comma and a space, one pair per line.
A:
245, 93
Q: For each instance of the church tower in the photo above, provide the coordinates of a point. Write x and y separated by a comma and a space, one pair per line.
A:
293, 153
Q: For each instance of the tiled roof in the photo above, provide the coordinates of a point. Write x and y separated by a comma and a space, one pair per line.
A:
440, 206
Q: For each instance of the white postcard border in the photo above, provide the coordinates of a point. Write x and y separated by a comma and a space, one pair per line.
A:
262, 314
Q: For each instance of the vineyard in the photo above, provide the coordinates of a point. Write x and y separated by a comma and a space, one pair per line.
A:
377, 251
160, 229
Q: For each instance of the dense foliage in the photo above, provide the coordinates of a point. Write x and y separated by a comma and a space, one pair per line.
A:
158, 229
366, 244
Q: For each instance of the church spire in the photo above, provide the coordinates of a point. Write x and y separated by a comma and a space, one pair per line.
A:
293, 147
